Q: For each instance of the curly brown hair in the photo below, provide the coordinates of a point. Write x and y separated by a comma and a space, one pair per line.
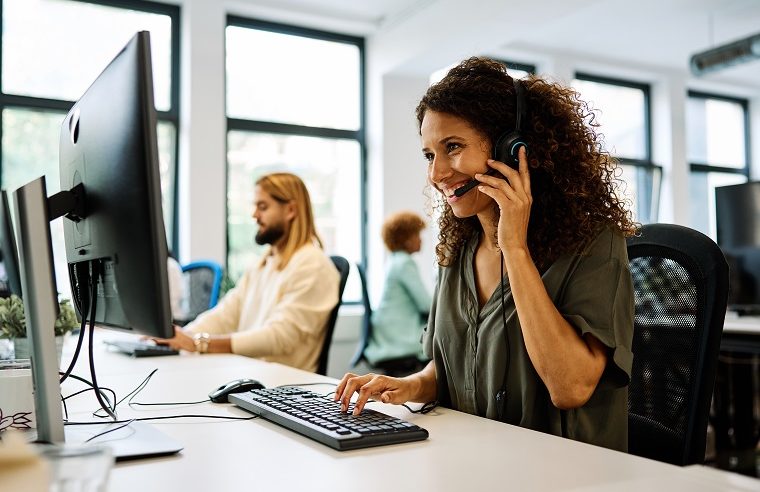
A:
398, 228
573, 181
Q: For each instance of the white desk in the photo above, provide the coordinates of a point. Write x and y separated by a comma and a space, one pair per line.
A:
749, 325
463, 452
741, 334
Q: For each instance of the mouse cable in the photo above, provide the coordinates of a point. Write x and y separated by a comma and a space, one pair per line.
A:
167, 417
132, 394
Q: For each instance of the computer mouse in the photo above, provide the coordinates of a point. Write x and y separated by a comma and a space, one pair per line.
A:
220, 394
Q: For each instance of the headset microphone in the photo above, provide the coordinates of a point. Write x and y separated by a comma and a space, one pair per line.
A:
507, 146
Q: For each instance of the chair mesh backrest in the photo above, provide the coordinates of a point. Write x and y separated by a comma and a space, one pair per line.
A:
199, 285
665, 343
680, 282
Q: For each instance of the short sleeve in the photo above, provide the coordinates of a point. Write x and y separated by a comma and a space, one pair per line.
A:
599, 301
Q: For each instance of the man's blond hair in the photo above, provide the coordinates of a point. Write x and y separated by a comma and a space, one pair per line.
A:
285, 188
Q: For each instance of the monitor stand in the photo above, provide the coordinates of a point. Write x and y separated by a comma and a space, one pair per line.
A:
33, 216
136, 440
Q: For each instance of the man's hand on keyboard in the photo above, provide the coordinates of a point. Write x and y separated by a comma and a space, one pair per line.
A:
180, 341
380, 387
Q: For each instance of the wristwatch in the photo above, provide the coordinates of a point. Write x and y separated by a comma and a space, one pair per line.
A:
201, 340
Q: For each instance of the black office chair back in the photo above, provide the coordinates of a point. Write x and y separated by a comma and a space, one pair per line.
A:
343, 268
680, 280
366, 332
203, 280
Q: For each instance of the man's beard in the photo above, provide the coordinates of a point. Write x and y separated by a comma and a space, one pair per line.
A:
270, 235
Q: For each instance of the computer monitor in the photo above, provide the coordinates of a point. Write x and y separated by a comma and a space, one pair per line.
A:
10, 281
108, 144
114, 230
737, 213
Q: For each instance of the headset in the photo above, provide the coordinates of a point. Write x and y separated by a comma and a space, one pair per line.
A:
507, 146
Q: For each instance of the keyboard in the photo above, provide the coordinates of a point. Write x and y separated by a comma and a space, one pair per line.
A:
140, 349
318, 417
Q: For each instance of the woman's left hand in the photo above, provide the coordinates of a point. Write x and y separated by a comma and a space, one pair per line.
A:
514, 200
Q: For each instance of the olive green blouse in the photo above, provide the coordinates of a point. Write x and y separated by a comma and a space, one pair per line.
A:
591, 289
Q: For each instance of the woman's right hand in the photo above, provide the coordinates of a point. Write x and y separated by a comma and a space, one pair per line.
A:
378, 386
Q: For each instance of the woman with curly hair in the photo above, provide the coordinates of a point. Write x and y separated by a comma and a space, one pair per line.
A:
398, 321
532, 318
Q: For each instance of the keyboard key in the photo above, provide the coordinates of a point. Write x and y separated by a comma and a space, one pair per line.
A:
320, 418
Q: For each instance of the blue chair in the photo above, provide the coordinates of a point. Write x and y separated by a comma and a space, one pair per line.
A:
203, 281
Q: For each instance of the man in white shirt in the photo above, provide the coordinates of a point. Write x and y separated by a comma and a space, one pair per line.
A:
278, 310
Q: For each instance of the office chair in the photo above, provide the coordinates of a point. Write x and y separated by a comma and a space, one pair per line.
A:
203, 280
343, 268
401, 366
680, 283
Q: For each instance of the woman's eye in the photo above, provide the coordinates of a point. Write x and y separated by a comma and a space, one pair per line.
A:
450, 147
428, 156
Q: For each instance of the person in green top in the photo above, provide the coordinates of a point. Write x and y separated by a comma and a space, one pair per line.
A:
404, 306
532, 317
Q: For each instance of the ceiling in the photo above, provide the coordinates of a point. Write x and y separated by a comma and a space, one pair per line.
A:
656, 33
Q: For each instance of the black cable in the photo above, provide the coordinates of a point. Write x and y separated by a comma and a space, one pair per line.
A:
426, 408
76, 351
167, 417
94, 302
102, 390
110, 430
138, 388
169, 403
501, 396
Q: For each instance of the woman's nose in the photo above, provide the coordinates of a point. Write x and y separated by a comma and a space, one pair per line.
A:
439, 170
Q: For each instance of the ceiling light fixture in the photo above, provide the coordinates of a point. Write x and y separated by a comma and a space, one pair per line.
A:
740, 51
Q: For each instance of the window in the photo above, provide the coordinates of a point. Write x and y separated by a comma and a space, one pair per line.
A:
51, 51
622, 110
305, 117
515, 70
717, 132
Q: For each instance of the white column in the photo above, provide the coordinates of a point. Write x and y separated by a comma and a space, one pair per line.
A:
202, 135
669, 147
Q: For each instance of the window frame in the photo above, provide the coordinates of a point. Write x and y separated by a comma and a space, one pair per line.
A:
646, 163
171, 116
701, 167
525, 67
259, 126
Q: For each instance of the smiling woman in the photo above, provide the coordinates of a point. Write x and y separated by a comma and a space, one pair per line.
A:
532, 318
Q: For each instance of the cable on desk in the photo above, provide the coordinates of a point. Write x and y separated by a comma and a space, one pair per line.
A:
426, 408
168, 417
142, 386
91, 388
110, 430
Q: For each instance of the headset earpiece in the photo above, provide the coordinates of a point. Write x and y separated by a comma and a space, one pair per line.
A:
507, 146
